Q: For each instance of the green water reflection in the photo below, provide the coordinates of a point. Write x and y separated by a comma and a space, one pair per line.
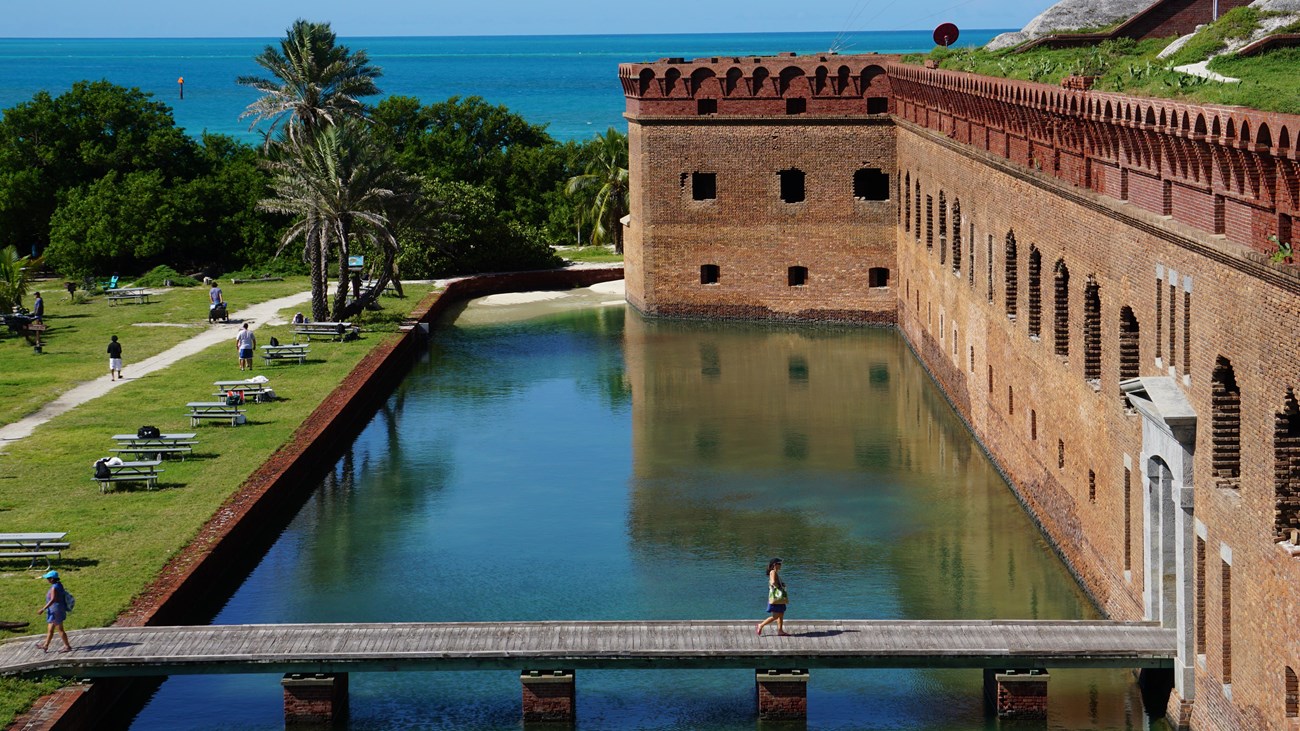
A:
597, 465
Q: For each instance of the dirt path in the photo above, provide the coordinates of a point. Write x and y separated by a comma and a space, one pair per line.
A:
254, 315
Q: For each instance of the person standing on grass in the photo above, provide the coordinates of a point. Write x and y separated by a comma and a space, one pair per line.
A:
38, 308
56, 611
777, 598
246, 342
114, 359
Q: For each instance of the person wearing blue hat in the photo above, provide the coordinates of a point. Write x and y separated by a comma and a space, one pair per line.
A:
56, 610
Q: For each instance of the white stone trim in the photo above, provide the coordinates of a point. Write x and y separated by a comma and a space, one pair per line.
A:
1225, 552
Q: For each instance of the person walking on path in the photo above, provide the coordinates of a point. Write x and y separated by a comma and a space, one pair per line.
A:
114, 359
56, 611
246, 342
777, 598
38, 308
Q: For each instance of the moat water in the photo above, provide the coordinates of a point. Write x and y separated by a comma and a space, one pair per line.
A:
552, 463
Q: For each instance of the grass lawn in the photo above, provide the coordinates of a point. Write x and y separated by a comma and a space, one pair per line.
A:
75, 344
1269, 81
591, 254
122, 539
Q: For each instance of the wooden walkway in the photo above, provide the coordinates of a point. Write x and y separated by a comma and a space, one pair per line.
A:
327, 648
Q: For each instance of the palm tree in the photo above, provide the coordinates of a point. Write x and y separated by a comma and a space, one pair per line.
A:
317, 82
606, 172
15, 274
342, 190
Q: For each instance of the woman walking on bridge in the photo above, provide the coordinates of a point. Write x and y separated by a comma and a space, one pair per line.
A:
56, 611
777, 598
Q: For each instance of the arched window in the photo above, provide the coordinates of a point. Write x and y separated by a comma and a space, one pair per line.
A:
943, 227
1292, 694
929, 222
1092, 332
1062, 317
1035, 292
1011, 273
918, 211
907, 202
1286, 466
1225, 424
1129, 342
956, 236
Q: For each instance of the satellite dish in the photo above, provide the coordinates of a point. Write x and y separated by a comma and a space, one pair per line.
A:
945, 35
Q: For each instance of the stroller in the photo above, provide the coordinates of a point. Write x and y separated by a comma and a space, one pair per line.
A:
218, 312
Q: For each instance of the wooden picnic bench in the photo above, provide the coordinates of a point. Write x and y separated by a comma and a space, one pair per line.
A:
256, 391
331, 330
220, 410
145, 471
159, 446
32, 546
122, 295
284, 352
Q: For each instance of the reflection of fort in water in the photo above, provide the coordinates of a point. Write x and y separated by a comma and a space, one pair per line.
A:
736, 426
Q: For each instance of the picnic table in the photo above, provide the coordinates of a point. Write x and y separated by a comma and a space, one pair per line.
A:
159, 446
145, 471
138, 294
332, 330
200, 410
285, 352
32, 546
251, 390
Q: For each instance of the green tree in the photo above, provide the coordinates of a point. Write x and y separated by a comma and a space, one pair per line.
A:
316, 82
120, 221
51, 145
472, 141
341, 190
606, 174
467, 234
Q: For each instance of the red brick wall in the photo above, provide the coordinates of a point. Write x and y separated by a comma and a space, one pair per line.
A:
748, 231
782, 699
549, 701
1240, 310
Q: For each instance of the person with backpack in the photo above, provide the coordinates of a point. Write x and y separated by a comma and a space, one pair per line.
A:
58, 602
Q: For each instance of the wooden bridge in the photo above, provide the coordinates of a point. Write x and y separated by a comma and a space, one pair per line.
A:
548, 652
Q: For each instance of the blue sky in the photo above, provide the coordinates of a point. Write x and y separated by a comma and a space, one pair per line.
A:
258, 18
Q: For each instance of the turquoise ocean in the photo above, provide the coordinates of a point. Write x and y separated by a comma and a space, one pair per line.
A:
569, 83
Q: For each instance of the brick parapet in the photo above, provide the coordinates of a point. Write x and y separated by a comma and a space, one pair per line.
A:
1223, 170
827, 84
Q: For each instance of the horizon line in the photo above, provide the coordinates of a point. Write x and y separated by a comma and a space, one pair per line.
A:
499, 35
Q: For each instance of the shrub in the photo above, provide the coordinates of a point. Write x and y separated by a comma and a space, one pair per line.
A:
160, 275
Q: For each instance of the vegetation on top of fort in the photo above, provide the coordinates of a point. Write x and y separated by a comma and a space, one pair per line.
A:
1269, 81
